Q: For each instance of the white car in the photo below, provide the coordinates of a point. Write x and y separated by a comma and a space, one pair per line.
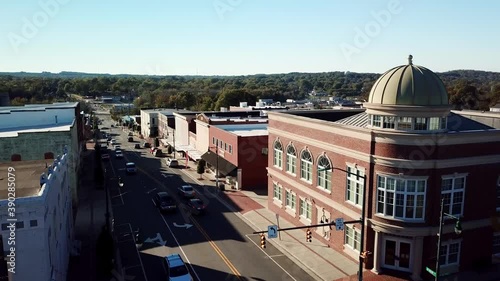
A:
118, 154
186, 191
172, 163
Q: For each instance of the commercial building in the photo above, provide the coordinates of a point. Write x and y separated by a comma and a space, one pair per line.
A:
43, 218
397, 160
39, 131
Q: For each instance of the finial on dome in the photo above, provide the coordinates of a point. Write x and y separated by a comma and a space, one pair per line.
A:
410, 58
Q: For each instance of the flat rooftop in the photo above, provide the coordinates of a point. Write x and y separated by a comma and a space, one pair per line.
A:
14, 132
27, 177
246, 130
31, 107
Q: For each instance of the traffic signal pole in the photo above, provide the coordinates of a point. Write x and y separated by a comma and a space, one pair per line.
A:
308, 226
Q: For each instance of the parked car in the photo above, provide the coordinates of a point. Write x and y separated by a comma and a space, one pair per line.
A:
176, 268
137, 146
196, 206
130, 134
117, 147
186, 191
130, 139
118, 154
109, 138
146, 145
172, 163
157, 152
105, 156
112, 142
164, 202
130, 168
152, 150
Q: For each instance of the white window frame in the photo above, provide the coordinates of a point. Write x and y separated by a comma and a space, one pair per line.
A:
277, 189
389, 122
290, 199
306, 166
406, 122
448, 208
386, 191
446, 247
291, 160
324, 173
305, 209
354, 178
377, 121
352, 237
278, 154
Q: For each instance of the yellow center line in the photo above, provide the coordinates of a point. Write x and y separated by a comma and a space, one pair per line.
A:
218, 250
203, 232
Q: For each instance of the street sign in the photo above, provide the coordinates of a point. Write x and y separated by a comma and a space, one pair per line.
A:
432, 272
272, 231
339, 224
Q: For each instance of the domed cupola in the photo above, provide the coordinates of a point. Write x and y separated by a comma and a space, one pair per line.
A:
408, 98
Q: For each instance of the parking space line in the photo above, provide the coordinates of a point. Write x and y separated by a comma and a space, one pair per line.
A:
271, 258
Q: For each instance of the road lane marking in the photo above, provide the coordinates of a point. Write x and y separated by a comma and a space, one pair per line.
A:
218, 250
202, 231
180, 248
270, 257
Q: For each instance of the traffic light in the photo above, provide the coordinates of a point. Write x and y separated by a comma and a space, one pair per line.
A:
308, 235
262, 241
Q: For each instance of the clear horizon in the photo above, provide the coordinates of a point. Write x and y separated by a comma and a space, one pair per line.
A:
241, 37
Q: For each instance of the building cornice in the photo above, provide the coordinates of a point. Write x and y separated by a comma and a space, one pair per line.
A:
441, 139
387, 161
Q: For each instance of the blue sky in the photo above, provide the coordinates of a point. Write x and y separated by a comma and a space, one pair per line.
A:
239, 37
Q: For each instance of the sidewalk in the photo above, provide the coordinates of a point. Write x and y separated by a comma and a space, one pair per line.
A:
315, 258
89, 220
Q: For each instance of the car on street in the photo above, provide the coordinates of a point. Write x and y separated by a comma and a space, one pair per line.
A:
176, 268
172, 163
146, 145
130, 134
118, 154
130, 139
109, 138
164, 202
137, 146
186, 191
130, 168
117, 147
112, 142
196, 206
105, 156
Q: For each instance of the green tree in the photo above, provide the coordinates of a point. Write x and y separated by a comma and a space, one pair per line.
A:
200, 168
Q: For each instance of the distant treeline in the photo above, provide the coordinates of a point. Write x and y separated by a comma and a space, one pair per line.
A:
467, 89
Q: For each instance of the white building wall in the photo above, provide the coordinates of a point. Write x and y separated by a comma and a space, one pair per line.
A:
202, 136
181, 131
45, 248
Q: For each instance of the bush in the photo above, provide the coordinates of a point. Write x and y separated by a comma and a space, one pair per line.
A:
200, 169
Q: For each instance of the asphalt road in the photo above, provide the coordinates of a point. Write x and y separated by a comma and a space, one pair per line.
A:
217, 245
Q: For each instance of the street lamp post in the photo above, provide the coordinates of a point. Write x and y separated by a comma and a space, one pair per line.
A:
458, 230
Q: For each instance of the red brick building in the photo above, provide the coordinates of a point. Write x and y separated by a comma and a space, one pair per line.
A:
413, 152
242, 153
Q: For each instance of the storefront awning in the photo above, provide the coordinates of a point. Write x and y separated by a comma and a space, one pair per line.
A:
225, 167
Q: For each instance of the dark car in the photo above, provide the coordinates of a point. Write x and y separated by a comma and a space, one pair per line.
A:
147, 145
196, 206
130, 139
137, 146
164, 202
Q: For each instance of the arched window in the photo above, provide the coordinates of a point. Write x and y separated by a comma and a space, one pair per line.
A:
291, 159
49, 155
278, 154
15, 157
306, 166
324, 173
